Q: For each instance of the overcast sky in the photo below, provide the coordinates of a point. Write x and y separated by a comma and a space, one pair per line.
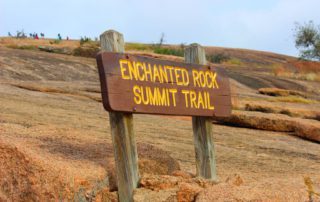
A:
261, 25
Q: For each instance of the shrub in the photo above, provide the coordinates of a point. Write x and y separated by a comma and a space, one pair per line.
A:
169, 51
234, 61
218, 58
280, 92
137, 46
307, 38
21, 34
84, 40
22, 47
86, 51
259, 108
286, 112
294, 99
278, 70
56, 41
303, 66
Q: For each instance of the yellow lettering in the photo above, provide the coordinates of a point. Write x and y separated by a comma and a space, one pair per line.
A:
208, 74
214, 80
132, 71
171, 75
173, 93
162, 97
193, 98
147, 72
200, 100
176, 71
138, 65
185, 77
186, 97
163, 74
168, 98
209, 103
144, 95
195, 75
156, 74
152, 96
123, 69
205, 100
137, 96
202, 79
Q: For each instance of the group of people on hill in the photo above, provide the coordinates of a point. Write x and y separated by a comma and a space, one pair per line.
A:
34, 35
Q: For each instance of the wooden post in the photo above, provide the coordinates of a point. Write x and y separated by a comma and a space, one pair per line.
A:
125, 151
202, 126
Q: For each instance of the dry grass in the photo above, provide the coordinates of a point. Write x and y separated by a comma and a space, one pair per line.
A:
259, 108
293, 99
283, 95
234, 62
280, 92
88, 93
310, 189
306, 114
305, 129
22, 47
138, 47
10, 41
72, 135
303, 70
306, 66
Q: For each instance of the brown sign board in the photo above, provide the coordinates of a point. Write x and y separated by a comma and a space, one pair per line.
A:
138, 84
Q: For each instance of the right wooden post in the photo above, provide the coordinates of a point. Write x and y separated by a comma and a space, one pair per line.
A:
202, 126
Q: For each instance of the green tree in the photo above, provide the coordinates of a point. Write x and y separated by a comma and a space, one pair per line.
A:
307, 38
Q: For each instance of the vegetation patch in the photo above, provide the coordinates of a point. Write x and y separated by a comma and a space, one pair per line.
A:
235, 62
169, 51
56, 41
218, 58
300, 69
87, 50
256, 120
137, 46
259, 108
84, 40
22, 47
294, 99
277, 92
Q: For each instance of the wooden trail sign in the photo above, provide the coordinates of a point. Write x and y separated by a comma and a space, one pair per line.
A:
137, 84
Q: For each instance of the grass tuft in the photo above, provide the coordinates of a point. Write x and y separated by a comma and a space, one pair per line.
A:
22, 47
137, 46
169, 51
293, 99
278, 92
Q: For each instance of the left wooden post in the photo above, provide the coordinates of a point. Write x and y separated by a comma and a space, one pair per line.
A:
121, 124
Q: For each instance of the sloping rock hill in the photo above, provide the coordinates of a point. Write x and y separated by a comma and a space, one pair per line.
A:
55, 141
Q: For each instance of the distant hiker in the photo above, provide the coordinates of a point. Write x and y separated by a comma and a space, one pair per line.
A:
67, 38
36, 37
30, 34
59, 37
9, 34
42, 35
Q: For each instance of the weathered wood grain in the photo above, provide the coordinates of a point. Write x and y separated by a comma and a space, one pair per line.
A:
202, 126
124, 144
